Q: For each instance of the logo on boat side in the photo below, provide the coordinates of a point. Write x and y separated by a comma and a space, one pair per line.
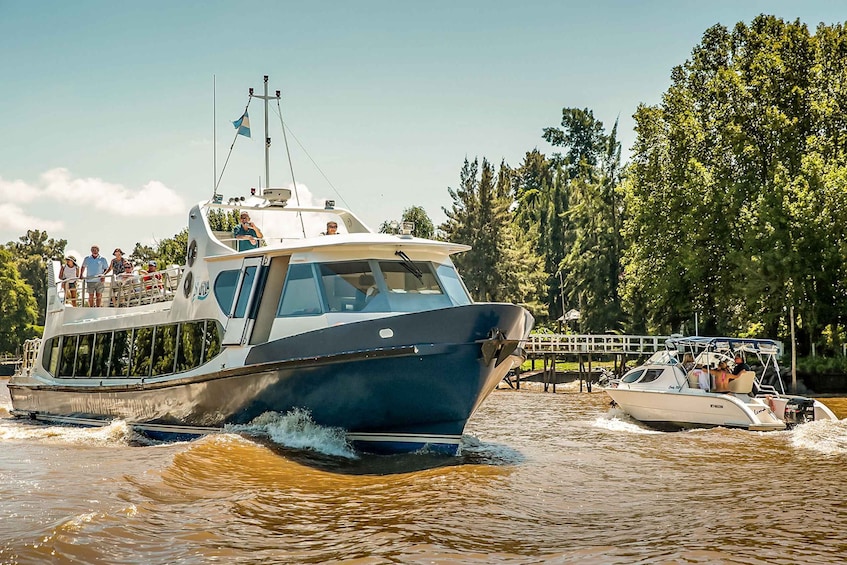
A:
716, 405
202, 290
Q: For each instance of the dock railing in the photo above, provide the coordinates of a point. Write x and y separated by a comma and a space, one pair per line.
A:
565, 344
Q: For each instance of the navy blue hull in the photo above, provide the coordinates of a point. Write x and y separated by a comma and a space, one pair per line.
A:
391, 393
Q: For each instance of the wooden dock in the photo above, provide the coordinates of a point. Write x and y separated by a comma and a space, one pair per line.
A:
584, 348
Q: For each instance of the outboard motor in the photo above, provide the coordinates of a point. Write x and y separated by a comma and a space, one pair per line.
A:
799, 411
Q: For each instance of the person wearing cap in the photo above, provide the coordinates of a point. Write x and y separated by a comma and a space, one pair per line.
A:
96, 266
152, 277
68, 274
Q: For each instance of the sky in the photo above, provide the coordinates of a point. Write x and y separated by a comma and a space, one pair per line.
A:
117, 117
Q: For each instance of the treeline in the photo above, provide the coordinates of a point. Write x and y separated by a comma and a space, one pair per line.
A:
731, 211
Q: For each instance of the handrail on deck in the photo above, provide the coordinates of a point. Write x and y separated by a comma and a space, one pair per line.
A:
120, 291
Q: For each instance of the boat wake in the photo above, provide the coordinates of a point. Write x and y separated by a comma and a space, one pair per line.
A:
617, 420
297, 430
823, 436
116, 433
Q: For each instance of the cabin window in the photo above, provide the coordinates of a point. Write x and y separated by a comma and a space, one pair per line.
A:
119, 366
212, 346
453, 285
244, 291
651, 375
164, 350
399, 279
225, 289
300, 296
633, 376
142, 348
51, 356
347, 286
82, 366
190, 352
100, 354
66, 363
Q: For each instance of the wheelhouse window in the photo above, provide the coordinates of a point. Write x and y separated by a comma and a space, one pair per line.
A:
453, 285
399, 277
347, 286
300, 297
632, 376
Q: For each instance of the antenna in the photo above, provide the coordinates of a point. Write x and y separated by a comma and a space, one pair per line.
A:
214, 138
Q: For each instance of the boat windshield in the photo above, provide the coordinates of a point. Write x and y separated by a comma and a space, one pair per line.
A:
370, 286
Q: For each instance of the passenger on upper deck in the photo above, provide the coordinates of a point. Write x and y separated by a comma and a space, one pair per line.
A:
96, 265
247, 233
70, 270
116, 267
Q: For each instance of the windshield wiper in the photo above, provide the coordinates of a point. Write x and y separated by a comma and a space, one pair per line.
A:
409, 266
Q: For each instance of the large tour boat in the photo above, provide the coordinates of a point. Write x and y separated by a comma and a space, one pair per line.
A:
369, 332
676, 388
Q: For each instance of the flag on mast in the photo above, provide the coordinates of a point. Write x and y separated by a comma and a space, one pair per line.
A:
242, 124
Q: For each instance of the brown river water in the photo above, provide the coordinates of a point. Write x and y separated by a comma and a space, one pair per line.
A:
542, 478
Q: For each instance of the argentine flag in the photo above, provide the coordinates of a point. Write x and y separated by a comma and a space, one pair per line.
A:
242, 124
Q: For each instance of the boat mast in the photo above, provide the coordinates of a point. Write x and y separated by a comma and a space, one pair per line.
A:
266, 97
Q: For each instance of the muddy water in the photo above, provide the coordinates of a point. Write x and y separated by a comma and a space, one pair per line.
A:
542, 478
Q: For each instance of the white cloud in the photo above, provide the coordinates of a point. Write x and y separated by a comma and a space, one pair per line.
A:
16, 220
17, 191
153, 199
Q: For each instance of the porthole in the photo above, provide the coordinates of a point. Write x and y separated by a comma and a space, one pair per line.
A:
187, 284
192, 253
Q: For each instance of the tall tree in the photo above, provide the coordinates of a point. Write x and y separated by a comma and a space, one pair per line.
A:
18, 309
501, 266
33, 252
592, 245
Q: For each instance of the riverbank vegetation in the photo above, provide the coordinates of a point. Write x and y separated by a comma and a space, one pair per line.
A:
731, 210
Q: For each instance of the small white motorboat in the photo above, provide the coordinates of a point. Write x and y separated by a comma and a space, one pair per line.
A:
666, 392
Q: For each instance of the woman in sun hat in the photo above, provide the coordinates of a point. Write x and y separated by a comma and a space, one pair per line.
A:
69, 273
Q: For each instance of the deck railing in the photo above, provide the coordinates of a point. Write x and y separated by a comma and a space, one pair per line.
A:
124, 290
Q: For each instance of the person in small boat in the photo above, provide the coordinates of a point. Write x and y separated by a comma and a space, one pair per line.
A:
247, 233
722, 377
687, 362
331, 228
96, 265
740, 365
702, 376
70, 270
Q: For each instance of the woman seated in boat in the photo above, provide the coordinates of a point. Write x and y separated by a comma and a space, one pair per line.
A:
722, 377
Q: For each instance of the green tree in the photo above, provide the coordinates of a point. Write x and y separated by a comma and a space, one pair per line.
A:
33, 252
424, 227
590, 243
502, 265
18, 308
745, 161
